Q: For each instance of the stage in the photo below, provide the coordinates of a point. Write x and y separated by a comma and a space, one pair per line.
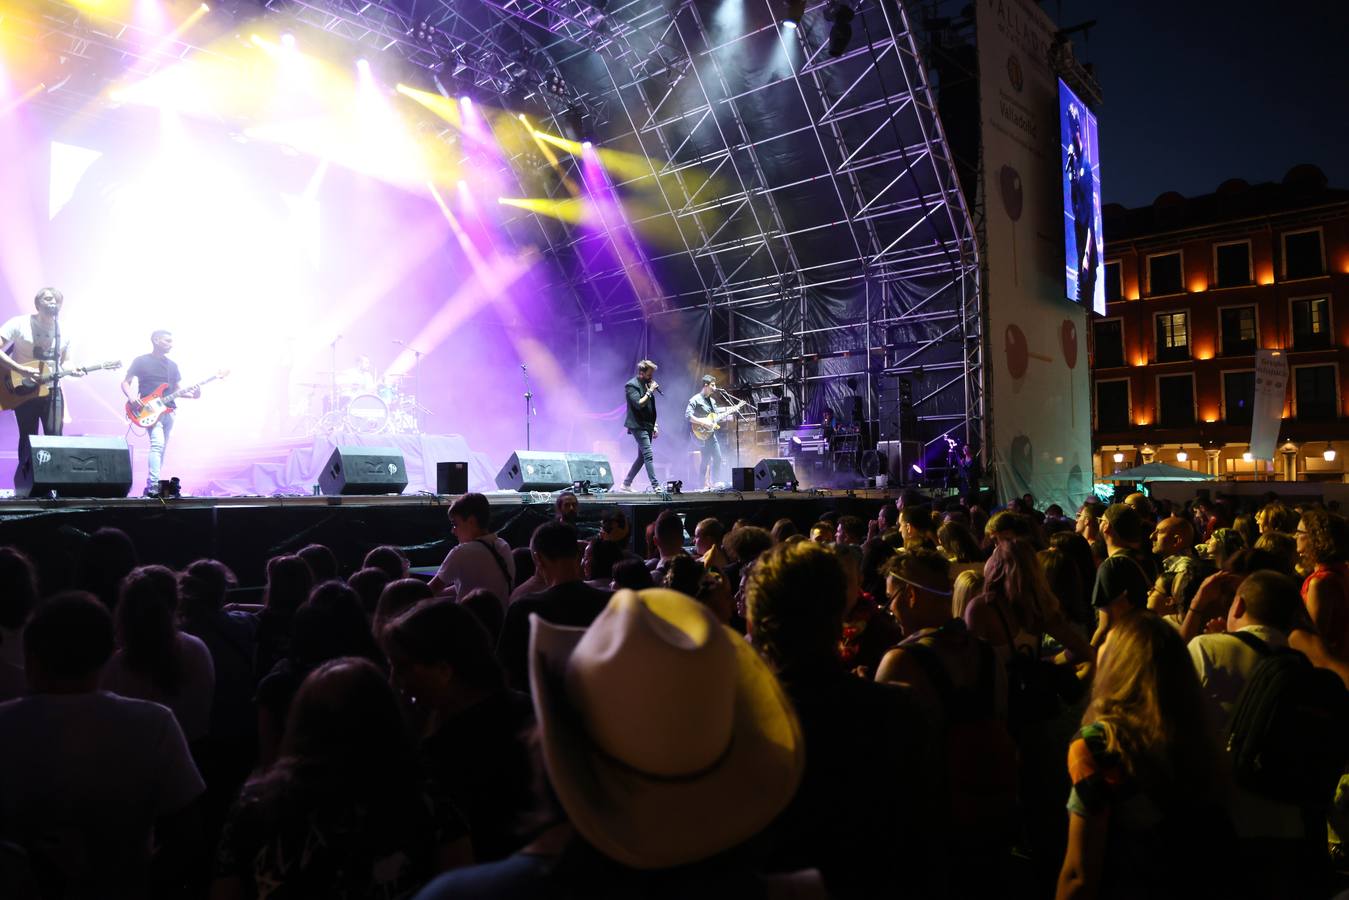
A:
244, 532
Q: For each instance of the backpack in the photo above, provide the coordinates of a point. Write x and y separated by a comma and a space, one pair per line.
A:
1288, 738
980, 755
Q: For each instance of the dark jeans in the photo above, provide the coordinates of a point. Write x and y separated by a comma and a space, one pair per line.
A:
712, 458
644, 457
49, 412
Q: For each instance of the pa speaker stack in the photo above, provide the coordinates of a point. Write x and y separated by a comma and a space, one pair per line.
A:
363, 470
541, 470
75, 467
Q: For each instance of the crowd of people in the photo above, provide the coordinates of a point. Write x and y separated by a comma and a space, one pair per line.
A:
1146, 700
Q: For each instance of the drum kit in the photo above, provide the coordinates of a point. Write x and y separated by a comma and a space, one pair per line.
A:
357, 408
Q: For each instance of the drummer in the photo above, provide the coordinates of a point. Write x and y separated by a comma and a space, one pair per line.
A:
359, 379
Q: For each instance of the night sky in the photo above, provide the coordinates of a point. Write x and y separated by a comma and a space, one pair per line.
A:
1198, 91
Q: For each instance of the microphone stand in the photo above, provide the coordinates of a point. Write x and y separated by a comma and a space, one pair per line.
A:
55, 407
529, 397
332, 378
731, 401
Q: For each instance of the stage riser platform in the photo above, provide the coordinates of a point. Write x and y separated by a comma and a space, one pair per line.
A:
245, 532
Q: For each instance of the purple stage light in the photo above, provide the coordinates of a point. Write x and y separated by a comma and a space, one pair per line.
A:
917, 469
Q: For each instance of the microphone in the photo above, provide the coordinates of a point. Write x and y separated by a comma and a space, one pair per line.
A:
659, 391
524, 368
400, 343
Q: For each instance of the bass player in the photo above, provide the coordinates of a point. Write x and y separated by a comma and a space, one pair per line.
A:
702, 411
148, 372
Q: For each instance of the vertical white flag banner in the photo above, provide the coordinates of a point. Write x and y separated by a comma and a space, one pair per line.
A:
1271, 386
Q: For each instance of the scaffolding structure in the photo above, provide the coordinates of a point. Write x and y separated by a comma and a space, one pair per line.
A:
804, 195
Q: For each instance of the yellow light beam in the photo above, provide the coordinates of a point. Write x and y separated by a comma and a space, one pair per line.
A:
444, 107
572, 210
571, 147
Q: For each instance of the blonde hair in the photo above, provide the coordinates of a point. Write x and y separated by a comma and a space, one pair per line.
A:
646, 365
1147, 700
968, 585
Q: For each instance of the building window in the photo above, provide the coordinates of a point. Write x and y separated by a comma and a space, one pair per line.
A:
1314, 393
1311, 323
1114, 281
1232, 263
1238, 397
1175, 401
1112, 405
1173, 336
1302, 256
1164, 274
1109, 341
1238, 330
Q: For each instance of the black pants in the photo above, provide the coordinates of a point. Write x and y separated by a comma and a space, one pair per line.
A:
644, 457
49, 411
712, 458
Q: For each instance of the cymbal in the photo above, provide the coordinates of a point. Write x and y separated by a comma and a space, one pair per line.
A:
392, 375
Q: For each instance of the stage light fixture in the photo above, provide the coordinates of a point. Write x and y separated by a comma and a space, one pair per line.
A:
555, 85
917, 469
841, 15
423, 31
674, 487
363, 66
792, 13
288, 40
586, 145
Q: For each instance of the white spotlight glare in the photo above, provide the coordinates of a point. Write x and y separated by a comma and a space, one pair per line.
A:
363, 66
288, 40
586, 145
789, 24
466, 101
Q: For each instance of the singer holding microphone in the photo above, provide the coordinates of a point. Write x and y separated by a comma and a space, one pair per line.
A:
641, 421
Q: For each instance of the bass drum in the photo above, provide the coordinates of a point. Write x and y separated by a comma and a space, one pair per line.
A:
367, 414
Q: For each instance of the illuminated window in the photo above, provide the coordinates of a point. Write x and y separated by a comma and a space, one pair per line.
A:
1114, 281
1238, 397
1175, 401
1173, 336
1112, 405
1311, 323
1108, 338
1238, 330
1165, 274
1232, 263
1314, 393
1302, 254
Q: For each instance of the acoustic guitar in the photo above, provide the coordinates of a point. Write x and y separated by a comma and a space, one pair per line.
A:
703, 432
17, 389
146, 411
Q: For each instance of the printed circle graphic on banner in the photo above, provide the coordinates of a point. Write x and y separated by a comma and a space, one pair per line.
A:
1009, 180
1014, 73
1018, 353
1068, 335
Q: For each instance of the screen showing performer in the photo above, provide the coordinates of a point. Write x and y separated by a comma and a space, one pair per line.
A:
702, 414
154, 377
1083, 227
641, 421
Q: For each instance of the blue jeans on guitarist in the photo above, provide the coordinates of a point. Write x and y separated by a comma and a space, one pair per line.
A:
159, 439
712, 458
49, 412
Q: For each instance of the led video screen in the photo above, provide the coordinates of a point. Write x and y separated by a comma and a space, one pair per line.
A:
1083, 233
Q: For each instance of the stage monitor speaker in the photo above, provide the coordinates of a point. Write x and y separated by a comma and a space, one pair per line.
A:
898, 459
591, 467
75, 467
451, 478
535, 470
742, 479
363, 470
773, 473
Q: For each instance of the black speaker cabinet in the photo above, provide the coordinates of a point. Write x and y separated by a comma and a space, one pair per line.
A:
451, 478
897, 459
75, 467
363, 470
742, 479
535, 470
591, 467
769, 473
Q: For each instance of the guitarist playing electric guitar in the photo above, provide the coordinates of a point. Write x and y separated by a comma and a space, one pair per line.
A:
149, 372
705, 419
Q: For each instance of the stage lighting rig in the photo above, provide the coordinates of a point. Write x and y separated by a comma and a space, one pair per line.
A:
423, 32
555, 85
793, 10
841, 14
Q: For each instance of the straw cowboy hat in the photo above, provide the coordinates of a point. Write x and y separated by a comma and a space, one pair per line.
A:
665, 736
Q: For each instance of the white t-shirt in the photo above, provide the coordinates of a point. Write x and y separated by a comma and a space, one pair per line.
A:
191, 705
83, 777
25, 340
470, 566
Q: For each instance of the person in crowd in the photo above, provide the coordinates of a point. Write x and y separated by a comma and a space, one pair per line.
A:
1173, 552
1275, 516
915, 526
474, 735
659, 799
1007, 526
614, 526
330, 625
155, 661
91, 781
1323, 544
744, 545
887, 519
1246, 527
527, 580
1124, 530
1222, 543
707, 537
962, 690
17, 599
822, 533
598, 561
567, 508
480, 559
966, 586
669, 537
107, 557
957, 544
851, 530
1283, 547
392, 560
876, 552
480, 603
783, 529
1065, 581
868, 631
322, 562
631, 574
397, 598
1146, 777
685, 574
368, 584
289, 581
567, 599
1079, 550
716, 593
344, 811
868, 837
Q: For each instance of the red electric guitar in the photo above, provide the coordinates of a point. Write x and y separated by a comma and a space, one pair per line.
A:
146, 411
